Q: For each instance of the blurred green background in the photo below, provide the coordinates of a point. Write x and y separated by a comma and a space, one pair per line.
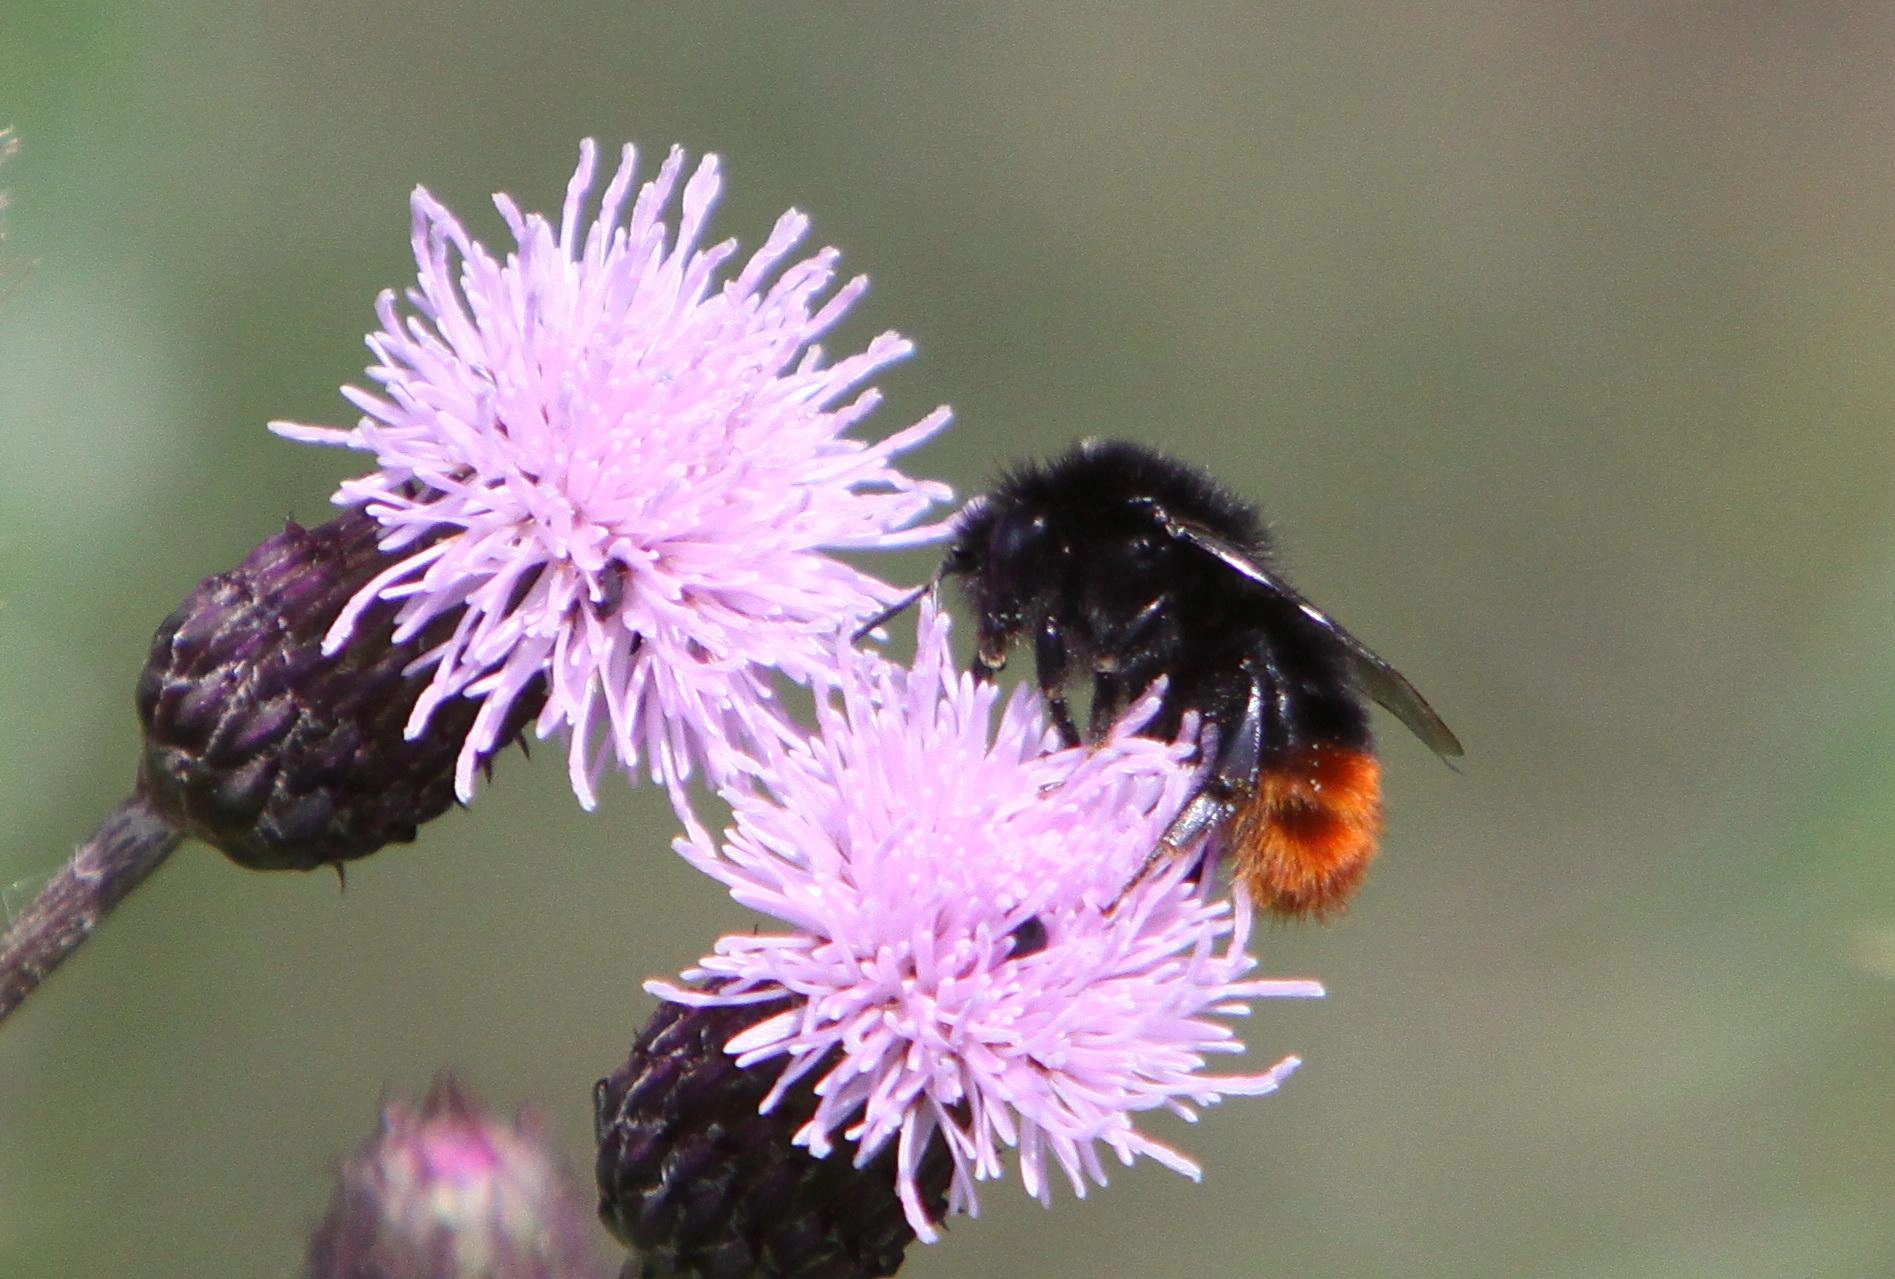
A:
1555, 339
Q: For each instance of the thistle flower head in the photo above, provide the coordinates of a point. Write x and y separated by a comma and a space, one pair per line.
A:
450, 1192
623, 464
964, 956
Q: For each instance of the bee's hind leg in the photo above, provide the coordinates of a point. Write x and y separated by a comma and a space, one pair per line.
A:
1231, 781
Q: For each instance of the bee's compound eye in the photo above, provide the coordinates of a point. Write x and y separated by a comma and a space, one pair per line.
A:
1017, 537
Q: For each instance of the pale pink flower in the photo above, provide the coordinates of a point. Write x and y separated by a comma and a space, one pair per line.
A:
625, 465
964, 957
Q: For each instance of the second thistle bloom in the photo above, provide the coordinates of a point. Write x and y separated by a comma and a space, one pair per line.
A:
621, 462
965, 962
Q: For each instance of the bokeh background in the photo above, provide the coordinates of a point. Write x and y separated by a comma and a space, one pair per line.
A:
1556, 340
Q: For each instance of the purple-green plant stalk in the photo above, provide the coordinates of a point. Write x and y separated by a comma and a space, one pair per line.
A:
130, 844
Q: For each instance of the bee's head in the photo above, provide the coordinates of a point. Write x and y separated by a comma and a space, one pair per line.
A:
1006, 555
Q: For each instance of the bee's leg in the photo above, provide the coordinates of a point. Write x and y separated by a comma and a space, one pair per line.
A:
1108, 699
1232, 778
1233, 773
1137, 658
1207, 809
1240, 751
1050, 660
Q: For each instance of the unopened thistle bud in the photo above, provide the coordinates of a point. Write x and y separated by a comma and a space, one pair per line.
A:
453, 1193
259, 743
284, 757
700, 1183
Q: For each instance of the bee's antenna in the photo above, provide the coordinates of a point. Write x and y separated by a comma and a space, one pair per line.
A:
956, 561
894, 610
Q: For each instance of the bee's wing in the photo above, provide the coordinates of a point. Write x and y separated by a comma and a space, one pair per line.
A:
1371, 674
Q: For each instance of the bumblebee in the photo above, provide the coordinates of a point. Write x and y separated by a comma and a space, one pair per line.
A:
1120, 565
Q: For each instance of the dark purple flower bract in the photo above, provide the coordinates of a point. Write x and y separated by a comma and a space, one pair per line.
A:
641, 460
964, 956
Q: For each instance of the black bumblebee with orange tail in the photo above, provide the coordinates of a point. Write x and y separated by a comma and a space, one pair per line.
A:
1122, 565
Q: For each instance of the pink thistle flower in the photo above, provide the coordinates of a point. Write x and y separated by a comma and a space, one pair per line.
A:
625, 467
961, 961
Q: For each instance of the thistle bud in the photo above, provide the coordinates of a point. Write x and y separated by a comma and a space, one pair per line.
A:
452, 1193
701, 1184
280, 755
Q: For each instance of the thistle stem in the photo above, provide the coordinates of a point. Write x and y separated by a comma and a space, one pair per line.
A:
127, 846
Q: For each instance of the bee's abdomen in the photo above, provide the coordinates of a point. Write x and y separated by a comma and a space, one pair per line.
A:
1302, 844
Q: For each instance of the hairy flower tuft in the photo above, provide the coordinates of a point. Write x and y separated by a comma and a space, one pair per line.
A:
624, 464
965, 957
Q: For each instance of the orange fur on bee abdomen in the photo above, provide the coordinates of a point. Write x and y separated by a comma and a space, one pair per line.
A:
1302, 844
